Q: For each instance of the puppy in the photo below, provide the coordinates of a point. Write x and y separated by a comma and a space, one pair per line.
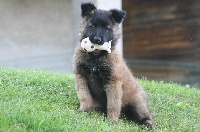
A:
102, 79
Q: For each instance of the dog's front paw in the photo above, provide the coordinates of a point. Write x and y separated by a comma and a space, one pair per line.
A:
112, 116
113, 119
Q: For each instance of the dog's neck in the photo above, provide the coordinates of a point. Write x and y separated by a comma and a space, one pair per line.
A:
98, 55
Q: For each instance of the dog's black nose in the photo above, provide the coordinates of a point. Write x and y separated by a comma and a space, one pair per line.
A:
97, 39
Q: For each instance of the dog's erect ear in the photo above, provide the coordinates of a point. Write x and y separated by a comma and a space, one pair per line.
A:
87, 9
117, 15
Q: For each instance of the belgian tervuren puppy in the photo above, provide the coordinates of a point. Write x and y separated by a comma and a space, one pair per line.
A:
103, 79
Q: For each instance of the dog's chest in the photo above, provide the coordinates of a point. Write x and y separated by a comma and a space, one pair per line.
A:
101, 72
97, 75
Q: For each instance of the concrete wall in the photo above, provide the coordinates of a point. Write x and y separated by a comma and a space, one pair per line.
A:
34, 28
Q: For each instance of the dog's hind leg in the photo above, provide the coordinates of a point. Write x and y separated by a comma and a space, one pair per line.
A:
139, 110
86, 101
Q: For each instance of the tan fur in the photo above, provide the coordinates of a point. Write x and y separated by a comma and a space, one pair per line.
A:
122, 89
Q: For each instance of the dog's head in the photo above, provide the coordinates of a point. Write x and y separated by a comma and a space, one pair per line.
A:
100, 25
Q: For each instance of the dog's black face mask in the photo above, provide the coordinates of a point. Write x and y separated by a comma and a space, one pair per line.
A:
99, 24
99, 28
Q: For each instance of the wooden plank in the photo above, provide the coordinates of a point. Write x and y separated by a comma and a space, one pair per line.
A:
176, 71
167, 28
163, 31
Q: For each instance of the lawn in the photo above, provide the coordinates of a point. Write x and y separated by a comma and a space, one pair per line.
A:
42, 101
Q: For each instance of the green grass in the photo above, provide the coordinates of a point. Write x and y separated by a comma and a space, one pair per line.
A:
41, 101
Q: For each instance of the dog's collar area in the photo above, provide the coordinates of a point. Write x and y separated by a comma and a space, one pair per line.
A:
94, 69
98, 54
96, 51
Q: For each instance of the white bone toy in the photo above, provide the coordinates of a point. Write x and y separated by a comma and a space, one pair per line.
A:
89, 47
